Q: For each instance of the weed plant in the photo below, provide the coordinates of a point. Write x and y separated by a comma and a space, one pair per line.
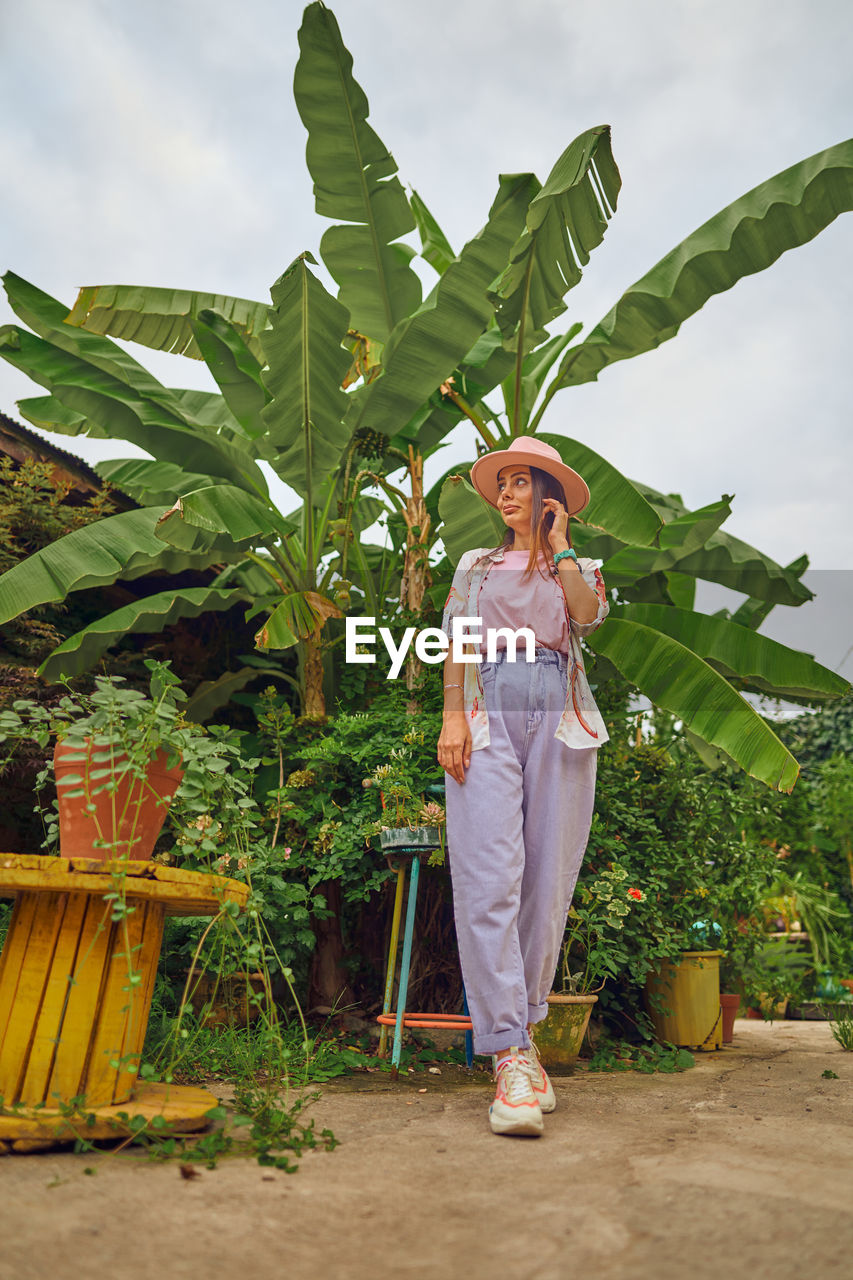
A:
841, 1027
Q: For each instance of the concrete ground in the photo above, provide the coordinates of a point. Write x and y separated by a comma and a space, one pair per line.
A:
741, 1167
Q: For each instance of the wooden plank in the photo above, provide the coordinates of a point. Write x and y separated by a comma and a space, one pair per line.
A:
48, 1031
146, 959
183, 1108
14, 952
115, 1010
185, 892
87, 975
21, 1025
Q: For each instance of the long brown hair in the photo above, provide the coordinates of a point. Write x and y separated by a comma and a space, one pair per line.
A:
543, 485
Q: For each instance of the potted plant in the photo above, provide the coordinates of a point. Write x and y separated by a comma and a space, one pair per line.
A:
774, 975
117, 761
410, 822
593, 950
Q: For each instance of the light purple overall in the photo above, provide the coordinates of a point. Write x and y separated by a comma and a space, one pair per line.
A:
517, 830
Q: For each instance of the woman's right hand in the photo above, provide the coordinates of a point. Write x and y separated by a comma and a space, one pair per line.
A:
454, 744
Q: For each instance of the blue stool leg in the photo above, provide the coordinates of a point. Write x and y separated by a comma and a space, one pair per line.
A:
392, 956
469, 1035
403, 987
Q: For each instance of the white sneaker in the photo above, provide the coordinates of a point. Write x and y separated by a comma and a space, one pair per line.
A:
542, 1088
515, 1109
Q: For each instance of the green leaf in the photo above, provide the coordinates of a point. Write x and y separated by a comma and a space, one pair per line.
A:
151, 483
565, 222
212, 695
354, 180
300, 615
681, 589
121, 546
236, 369
435, 247
424, 349
47, 317
673, 677
733, 563
307, 365
223, 509
468, 521
616, 505
747, 236
151, 614
679, 539
123, 412
162, 318
49, 414
741, 654
535, 368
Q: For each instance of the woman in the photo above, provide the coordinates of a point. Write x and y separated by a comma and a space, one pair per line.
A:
518, 744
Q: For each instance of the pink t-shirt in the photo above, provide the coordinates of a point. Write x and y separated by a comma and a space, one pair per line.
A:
509, 599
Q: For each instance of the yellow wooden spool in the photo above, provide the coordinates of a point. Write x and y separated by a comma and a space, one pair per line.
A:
76, 986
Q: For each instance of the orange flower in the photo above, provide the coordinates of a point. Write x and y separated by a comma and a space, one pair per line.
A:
636, 894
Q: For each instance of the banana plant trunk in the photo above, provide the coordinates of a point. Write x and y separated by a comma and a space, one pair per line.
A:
312, 676
416, 571
328, 989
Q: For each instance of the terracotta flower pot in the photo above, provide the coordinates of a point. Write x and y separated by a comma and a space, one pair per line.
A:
729, 1003
560, 1036
128, 820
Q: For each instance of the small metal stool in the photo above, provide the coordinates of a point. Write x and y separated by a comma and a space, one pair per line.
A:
400, 1018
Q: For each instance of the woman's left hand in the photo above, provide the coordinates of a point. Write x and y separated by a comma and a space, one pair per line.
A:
558, 535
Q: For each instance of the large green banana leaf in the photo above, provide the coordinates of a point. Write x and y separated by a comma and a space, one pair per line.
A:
47, 317
435, 247
355, 181
673, 677
162, 318
300, 614
150, 483
213, 694
153, 613
307, 365
616, 505
121, 546
535, 368
678, 539
223, 509
125, 413
733, 563
753, 611
467, 521
236, 370
749, 235
565, 222
740, 653
49, 414
424, 349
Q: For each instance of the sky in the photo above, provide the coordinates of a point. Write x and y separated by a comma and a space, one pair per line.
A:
158, 143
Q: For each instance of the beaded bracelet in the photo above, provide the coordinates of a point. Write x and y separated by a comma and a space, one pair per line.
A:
561, 555
453, 686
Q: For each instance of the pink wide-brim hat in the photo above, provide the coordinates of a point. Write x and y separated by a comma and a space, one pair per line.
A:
529, 452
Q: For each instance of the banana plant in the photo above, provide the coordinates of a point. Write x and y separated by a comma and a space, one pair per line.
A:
206, 474
309, 383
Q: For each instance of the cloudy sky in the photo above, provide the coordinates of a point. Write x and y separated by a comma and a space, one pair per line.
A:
158, 143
